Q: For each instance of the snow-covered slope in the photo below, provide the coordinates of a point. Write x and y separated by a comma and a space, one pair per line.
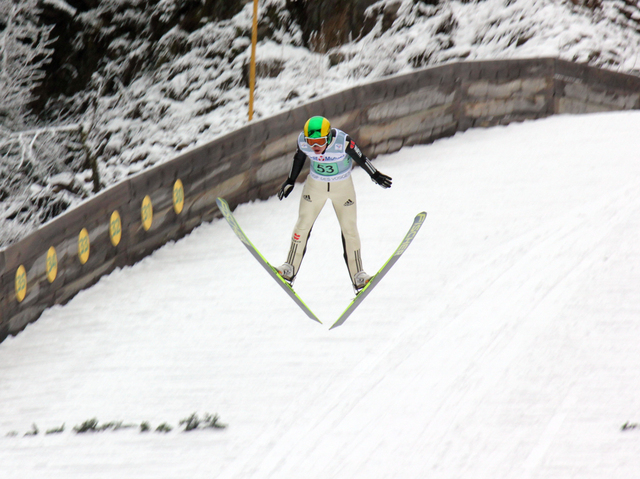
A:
198, 89
504, 343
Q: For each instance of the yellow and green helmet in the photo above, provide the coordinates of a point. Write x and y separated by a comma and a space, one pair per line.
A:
317, 127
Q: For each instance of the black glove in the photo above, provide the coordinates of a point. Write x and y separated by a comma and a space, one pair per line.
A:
382, 180
285, 189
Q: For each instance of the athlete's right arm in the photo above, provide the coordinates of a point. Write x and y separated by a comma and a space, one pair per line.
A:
298, 162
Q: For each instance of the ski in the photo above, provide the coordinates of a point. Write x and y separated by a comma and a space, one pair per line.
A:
226, 211
415, 227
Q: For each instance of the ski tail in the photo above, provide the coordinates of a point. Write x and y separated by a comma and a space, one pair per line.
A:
411, 234
235, 226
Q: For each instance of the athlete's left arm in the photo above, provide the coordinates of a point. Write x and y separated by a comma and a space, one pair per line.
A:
354, 152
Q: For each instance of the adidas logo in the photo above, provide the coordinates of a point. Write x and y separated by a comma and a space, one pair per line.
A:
307, 198
348, 203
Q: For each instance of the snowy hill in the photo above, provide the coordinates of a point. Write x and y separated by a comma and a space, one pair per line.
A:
193, 85
503, 344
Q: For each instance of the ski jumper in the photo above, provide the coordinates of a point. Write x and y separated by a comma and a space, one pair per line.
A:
329, 179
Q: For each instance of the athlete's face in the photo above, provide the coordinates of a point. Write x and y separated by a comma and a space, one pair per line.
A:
318, 150
318, 145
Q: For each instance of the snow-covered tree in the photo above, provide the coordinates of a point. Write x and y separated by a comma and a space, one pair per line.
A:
39, 164
24, 51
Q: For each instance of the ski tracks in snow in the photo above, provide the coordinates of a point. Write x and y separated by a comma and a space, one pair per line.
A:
503, 345
475, 335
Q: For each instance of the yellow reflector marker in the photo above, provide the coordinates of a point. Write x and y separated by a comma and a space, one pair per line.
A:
52, 264
21, 283
83, 246
178, 197
115, 228
147, 213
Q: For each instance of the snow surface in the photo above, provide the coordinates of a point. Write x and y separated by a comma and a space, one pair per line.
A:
504, 343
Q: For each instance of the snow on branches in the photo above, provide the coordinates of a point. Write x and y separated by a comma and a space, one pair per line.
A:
39, 166
24, 51
43, 172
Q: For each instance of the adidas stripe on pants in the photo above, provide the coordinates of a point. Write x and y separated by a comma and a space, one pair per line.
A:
314, 196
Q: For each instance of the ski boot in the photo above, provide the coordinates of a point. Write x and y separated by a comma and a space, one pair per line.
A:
286, 272
360, 280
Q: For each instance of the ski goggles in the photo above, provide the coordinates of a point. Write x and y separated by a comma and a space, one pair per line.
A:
322, 141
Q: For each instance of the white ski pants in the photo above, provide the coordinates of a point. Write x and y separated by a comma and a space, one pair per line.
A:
314, 196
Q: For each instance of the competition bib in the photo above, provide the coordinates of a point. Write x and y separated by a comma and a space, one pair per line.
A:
327, 169
333, 164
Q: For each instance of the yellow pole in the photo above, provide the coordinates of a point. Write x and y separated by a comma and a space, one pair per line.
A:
252, 72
